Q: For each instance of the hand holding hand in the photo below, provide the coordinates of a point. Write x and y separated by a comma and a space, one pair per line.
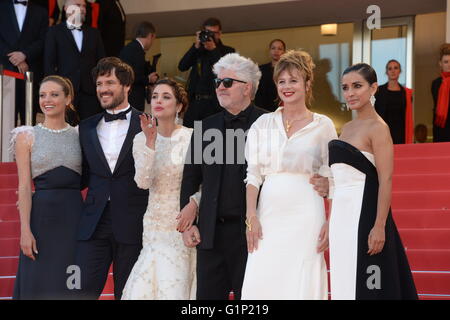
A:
153, 78
187, 216
191, 237
320, 184
16, 57
23, 67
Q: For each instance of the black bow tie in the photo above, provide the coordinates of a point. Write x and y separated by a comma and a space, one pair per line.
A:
117, 116
24, 2
229, 118
72, 27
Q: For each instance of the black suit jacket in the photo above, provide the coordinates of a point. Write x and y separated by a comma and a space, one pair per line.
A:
208, 176
134, 55
127, 202
30, 41
63, 58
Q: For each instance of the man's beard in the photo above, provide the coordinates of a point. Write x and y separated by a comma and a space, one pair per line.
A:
117, 101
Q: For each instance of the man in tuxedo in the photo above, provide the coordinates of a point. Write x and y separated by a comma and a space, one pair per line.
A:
72, 50
23, 26
219, 233
200, 58
110, 229
134, 54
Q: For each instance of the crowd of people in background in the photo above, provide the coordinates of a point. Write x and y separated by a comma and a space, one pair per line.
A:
258, 225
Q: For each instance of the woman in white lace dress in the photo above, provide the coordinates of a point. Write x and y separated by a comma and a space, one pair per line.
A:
165, 268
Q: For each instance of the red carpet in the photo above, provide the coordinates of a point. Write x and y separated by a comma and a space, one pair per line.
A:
420, 203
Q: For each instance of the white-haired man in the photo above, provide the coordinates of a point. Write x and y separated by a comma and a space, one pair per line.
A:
219, 233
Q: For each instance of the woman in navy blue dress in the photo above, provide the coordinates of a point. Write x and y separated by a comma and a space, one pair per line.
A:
48, 156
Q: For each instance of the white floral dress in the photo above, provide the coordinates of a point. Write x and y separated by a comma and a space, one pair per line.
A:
165, 268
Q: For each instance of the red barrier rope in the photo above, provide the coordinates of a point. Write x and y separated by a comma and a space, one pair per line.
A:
13, 74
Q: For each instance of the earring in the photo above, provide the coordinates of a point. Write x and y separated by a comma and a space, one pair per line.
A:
372, 100
177, 119
348, 108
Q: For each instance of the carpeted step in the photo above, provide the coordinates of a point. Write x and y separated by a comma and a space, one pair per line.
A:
9, 247
421, 182
8, 168
417, 150
421, 199
8, 212
8, 266
429, 259
8, 196
410, 218
8, 181
420, 165
432, 282
9, 229
425, 238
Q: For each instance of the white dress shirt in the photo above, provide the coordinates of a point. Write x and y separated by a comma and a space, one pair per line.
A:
112, 136
77, 35
21, 12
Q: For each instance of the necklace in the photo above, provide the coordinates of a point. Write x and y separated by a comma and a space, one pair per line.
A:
40, 125
289, 123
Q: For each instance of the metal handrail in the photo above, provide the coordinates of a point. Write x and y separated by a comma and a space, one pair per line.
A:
29, 98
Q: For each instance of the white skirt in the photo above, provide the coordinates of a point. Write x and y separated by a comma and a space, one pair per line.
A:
286, 264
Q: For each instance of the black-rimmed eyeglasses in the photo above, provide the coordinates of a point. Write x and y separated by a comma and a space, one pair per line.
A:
227, 82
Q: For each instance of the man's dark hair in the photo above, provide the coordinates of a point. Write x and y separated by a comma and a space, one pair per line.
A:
107, 65
144, 29
211, 22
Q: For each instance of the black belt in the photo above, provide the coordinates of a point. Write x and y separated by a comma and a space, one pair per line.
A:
203, 97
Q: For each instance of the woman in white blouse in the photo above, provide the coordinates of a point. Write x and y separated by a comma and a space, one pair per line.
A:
165, 268
287, 232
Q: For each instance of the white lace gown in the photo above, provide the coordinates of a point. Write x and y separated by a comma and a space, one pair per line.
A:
165, 269
286, 264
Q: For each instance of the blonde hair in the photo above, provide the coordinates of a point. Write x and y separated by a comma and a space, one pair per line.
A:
297, 60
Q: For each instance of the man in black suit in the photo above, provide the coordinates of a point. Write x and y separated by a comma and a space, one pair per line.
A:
134, 54
22, 32
220, 231
110, 229
200, 58
72, 50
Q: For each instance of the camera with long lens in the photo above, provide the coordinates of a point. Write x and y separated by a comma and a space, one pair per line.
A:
206, 35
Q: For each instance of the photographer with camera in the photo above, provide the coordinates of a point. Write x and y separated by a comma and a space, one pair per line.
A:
200, 58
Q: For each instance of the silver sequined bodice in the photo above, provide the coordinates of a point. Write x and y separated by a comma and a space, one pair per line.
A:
51, 150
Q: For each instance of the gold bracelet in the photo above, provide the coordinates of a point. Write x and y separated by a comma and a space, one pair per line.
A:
248, 224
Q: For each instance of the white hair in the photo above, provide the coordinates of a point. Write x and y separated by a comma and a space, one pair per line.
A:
244, 68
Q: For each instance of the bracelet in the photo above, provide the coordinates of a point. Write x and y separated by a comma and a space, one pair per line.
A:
248, 224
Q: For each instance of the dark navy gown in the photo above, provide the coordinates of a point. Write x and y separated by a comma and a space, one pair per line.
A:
56, 208
354, 275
